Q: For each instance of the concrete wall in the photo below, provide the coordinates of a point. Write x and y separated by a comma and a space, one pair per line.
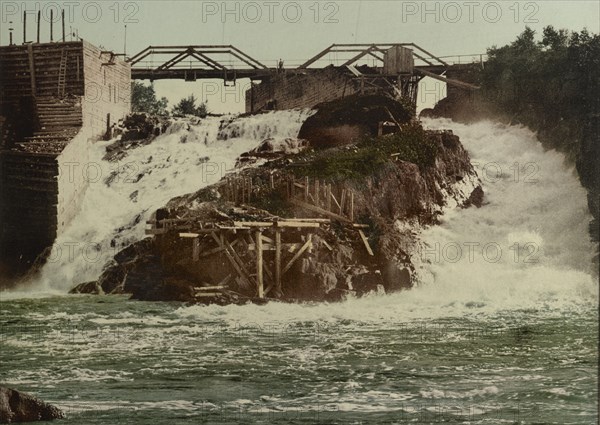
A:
300, 91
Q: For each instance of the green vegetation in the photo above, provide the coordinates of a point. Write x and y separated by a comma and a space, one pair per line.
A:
552, 84
411, 144
143, 99
553, 87
187, 106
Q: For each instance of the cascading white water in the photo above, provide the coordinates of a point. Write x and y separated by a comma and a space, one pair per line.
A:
526, 249
529, 244
122, 195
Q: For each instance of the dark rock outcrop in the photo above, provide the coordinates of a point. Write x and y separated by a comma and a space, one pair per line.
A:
18, 407
136, 129
347, 120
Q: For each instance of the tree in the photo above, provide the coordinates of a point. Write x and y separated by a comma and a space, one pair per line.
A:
187, 106
143, 99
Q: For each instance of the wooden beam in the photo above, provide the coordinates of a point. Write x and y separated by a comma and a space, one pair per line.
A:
259, 265
320, 210
238, 268
278, 262
207, 294
189, 235
450, 81
366, 242
306, 245
211, 288
196, 249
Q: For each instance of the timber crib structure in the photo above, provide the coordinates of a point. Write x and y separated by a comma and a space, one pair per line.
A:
56, 98
274, 251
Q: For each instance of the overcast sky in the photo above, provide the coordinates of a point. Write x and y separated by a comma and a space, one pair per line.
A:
297, 30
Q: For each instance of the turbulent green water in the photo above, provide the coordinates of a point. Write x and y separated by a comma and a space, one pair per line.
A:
107, 360
490, 336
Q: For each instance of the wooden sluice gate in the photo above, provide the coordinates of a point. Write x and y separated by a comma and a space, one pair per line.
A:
260, 253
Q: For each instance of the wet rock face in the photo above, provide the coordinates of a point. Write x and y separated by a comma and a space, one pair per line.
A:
271, 149
18, 407
137, 129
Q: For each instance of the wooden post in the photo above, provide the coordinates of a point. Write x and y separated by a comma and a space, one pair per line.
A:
306, 188
328, 196
39, 18
31, 69
63, 24
196, 250
278, 262
272, 182
352, 206
259, 263
51, 25
317, 192
25, 26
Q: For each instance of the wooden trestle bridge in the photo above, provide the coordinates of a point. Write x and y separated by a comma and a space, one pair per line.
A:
273, 241
229, 63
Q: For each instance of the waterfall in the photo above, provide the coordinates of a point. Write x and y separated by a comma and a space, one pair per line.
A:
122, 195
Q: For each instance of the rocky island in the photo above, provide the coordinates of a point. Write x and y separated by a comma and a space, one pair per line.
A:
332, 214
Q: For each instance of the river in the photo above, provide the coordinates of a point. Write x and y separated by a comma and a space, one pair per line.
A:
503, 327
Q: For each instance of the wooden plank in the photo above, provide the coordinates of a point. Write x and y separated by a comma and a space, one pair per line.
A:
189, 235
207, 294
366, 242
319, 210
297, 224
259, 264
306, 245
253, 223
313, 220
210, 288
